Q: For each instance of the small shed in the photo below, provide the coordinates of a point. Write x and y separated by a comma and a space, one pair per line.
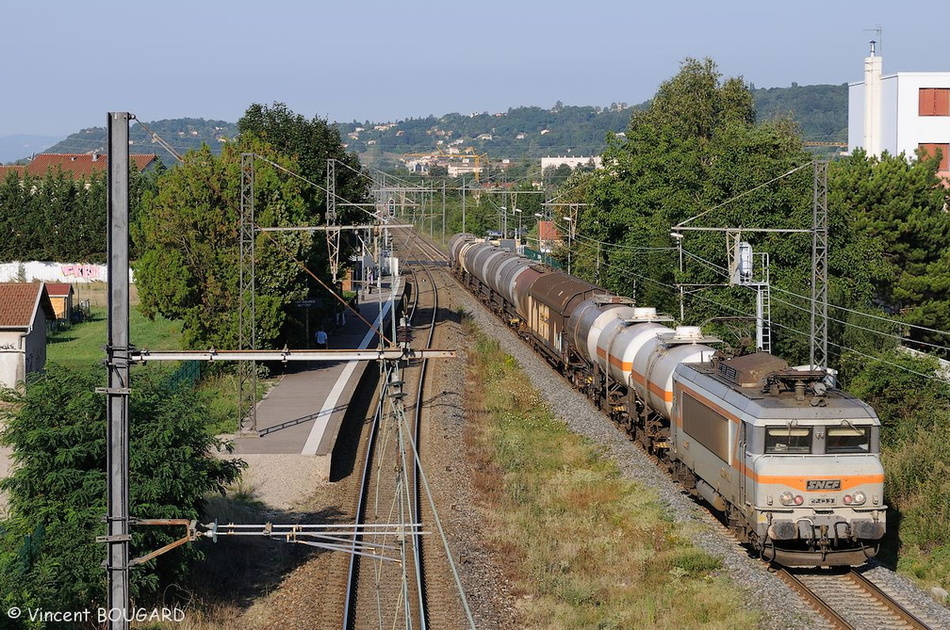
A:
25, 309
61, 295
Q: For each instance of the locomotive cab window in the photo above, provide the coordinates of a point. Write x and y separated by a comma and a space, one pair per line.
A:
787, 440
847, 439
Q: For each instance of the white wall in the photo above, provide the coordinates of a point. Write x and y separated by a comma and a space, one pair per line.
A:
855, 116
11, 357
21, 353
36, 271
914, 129
902, 128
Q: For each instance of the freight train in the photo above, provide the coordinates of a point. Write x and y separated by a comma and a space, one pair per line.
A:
791, 463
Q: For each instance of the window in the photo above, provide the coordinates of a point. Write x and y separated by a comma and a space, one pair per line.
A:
847, 439
787, 441
934, 102
929, 149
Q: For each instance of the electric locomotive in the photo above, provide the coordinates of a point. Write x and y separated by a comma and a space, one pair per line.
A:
792, 463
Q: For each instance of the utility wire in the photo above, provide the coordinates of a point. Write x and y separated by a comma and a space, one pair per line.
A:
742, 194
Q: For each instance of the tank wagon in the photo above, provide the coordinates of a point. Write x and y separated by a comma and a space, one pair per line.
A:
790, 462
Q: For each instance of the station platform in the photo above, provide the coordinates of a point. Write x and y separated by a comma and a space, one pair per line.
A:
303, 413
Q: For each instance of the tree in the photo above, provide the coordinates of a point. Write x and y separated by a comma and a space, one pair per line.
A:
58, 218
187, 234
49, 558
896, 212
309, 143
188, 231
695, 148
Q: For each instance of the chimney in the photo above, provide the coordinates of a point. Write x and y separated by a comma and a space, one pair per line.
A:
873, 66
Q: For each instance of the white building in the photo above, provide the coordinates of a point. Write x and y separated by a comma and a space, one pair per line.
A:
570, 160
900, 113
25, 309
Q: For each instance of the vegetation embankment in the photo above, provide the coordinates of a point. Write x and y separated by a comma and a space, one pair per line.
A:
585, 547
915, 442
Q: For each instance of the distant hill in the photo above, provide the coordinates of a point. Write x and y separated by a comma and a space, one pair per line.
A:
522, 132
182, 134
821, 112
20, 146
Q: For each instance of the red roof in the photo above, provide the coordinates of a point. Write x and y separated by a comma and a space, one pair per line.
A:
4, 170
81, 164
19, 302
58, 289
547, 231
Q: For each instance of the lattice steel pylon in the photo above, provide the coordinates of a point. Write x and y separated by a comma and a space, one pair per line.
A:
247, 316
819, 272
333, 229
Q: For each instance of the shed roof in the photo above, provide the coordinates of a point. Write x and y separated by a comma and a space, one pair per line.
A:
59, 289
19, 303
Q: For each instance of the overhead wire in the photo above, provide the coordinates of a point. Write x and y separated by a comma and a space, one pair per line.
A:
791, 329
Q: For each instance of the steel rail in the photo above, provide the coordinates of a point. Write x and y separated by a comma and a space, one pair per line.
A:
860, 582
894, 606
416, 469
823, 607
349, 605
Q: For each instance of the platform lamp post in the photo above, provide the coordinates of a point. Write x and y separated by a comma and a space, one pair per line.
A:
503, 218
518, 212
570, 241
537, 225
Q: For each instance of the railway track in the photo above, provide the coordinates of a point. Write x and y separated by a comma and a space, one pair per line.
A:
850, 601
400, 588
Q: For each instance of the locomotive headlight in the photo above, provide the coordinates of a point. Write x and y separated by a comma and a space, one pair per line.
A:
859, 498
799, 499
786, 498
847, 499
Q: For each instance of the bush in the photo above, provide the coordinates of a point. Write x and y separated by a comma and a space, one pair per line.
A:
57, 430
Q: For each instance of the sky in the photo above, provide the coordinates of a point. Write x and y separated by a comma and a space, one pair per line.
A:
68, 63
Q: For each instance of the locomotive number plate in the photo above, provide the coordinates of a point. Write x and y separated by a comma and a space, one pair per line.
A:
823, 501
823, 484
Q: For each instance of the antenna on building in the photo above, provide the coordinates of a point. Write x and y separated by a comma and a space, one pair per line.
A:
880, 37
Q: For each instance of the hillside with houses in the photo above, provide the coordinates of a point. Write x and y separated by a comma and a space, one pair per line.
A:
820, 111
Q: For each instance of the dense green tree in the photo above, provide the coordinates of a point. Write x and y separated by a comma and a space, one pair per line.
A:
190, 258
58, 218
896, 212
48, 555
696, 150
309, 143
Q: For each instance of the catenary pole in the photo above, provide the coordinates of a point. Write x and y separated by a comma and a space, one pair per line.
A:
117, 361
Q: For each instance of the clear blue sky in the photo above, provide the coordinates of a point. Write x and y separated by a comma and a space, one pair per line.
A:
67, 63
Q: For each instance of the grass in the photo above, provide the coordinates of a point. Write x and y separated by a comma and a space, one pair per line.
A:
586, 548
917, 473
83, 344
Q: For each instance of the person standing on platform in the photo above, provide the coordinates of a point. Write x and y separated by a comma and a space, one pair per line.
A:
321, 339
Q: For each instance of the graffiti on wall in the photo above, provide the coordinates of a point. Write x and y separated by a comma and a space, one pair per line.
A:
37, 271
83, 272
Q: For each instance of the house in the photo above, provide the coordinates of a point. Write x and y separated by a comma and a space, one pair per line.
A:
61, 296
899, 113
25, 309
548, 236
81, 165
572, 161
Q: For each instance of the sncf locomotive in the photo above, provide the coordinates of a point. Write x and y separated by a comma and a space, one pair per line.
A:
790, 462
